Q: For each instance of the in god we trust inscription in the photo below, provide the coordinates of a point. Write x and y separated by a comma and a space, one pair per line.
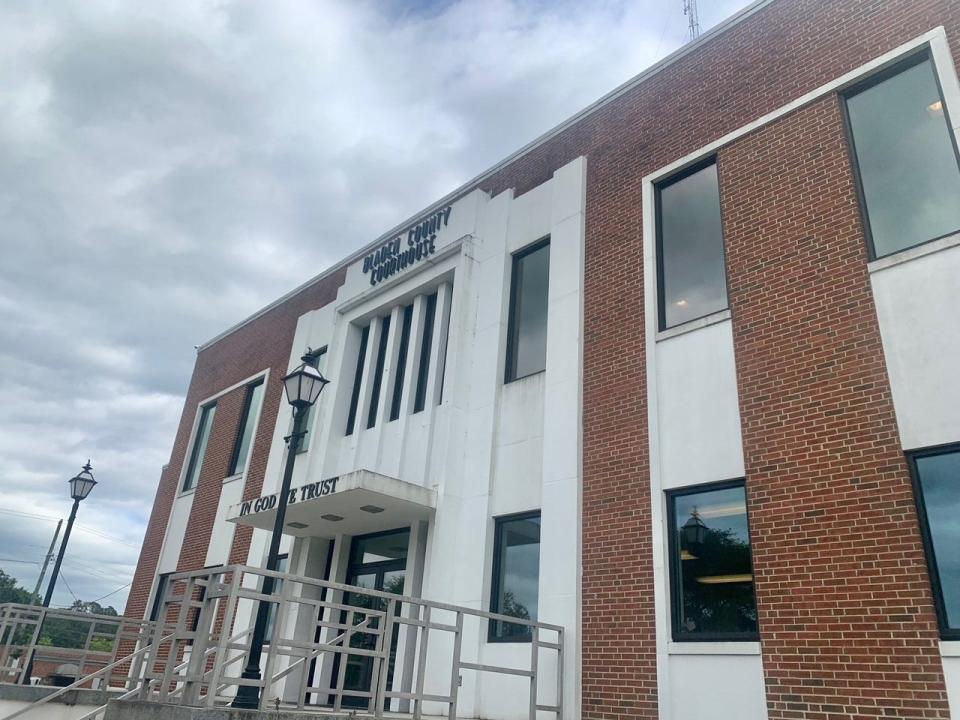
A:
300, 494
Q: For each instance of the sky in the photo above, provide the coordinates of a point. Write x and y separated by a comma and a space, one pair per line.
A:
166, 169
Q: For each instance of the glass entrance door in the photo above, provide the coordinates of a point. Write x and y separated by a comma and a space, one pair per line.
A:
377, 562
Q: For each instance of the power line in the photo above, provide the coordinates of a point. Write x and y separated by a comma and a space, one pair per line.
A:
91, 530
64, 578
103, 597
27, 562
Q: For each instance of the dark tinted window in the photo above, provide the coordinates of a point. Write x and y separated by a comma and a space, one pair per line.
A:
401, 362
906, 160
380, 547
527, 328
690, 248
430, 315
357, 380
938, 480
516, 575
251, 409
158, 597
199, 449
712, 575
378, 372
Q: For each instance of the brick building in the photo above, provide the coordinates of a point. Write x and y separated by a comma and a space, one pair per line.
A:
679, 376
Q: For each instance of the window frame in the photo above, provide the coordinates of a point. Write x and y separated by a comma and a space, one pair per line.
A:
917, 57
509, 371
658, 186
242, 426
673, 563
930, 555
496, 579
191, 457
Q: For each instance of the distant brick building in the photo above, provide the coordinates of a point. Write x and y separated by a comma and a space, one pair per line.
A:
681, 376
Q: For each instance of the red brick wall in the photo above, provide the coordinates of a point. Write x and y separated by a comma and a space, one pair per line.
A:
262, 343
847, 622
781, 52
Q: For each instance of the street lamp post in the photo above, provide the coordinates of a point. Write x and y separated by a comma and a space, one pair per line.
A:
80, 486
303, 387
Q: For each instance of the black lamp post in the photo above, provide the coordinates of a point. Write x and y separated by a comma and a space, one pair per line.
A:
694, 530
303, 387
80, 487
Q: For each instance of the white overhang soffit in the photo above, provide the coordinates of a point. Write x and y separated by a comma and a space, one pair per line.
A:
450, 197
358, 502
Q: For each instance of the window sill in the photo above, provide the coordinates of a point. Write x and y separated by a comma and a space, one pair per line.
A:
748, 647
231, 478
917, 251
184, 493
692, 325
950, 648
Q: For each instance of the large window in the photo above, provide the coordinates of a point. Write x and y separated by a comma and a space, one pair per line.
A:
316, 359
378, 372
357, 380
905, 157
423, 374
936, 476
691, 271
527, 328
251, 409
402, 353
516, 575
199, 449
711, 569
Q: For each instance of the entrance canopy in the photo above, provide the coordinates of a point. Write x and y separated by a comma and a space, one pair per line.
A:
355, 503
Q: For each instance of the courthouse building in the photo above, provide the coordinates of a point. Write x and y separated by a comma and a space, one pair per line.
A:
681, 377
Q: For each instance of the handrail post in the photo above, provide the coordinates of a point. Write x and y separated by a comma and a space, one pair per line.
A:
455, 669
534, 661
421, 662
382, 666
560, 674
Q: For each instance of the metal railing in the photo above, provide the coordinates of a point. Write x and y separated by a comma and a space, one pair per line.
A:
42, 640
333, 647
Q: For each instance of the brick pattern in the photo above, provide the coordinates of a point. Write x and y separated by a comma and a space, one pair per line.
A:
262, 343
846, 616
783, 51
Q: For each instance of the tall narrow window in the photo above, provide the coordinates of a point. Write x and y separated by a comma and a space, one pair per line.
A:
936, 476
516, 575
905, 157
527, 325
378, 372
199, 449
283, 564
251, 409
423, 375
317, 359
690, 264
357, 380
400, 375
158, 595
711, 565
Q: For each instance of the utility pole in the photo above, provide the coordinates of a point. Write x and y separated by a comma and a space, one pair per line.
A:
46, 560
690, 10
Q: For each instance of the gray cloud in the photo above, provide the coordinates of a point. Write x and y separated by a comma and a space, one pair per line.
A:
166, 169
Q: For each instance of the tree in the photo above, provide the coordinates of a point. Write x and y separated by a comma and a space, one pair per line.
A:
11, 592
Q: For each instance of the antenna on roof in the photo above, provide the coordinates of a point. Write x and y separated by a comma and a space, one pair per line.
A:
690, 10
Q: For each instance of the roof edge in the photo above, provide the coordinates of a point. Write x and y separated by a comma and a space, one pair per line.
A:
466, 187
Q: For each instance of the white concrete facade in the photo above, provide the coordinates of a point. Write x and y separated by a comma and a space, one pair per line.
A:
481, 448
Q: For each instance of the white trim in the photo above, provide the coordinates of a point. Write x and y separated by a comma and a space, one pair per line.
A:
932, 38
713, 648
913, 253
691, 325
473, 183
950, 648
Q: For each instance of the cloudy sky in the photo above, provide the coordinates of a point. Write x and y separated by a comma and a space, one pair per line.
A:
168, 168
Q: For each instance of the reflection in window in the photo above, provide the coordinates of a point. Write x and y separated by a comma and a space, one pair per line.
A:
712, 576
251, 408
527, 329
380, 547
516, 575
357, 380
691, 268
316, 359
199, 446
938, 479
905, 157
